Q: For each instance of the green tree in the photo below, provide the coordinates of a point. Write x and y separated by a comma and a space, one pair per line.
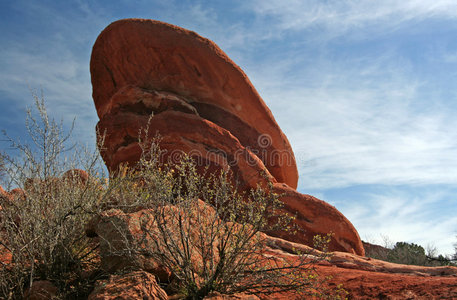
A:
408, 253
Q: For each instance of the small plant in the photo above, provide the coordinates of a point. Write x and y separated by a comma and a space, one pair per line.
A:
42, 227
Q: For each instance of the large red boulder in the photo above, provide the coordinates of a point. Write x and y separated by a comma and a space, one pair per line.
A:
146, 66
133, 240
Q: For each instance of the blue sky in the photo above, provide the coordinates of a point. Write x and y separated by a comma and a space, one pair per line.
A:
365, 91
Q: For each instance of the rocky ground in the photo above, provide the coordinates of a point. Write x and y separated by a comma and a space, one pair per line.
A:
365, 278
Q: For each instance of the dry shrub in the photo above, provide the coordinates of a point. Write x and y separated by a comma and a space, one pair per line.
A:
42, 229
208, 233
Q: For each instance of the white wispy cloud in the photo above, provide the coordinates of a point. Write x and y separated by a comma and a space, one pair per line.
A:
342, 15
361, 121
402, 215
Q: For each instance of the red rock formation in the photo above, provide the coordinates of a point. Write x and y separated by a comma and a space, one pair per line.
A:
17, 194
144, 66
376, 285
76, 176
4, 196
204, 105
3, 193
119, 233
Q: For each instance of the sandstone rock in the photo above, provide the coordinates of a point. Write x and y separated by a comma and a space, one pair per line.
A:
376, 285
41, 290
18, 194
313, 217
352, 261
144, 66
128, 239
133, 240
76, 176
3, 193
135, 285
72, 177
13, 197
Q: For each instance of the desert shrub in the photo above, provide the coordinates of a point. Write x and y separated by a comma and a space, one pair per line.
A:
208, 233
42, 229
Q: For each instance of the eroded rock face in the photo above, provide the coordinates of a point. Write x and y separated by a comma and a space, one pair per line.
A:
209, 144
204, 105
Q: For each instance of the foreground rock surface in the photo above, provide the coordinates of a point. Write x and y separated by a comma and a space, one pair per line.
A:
375, 285
135, 285
361, 277
133, 240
